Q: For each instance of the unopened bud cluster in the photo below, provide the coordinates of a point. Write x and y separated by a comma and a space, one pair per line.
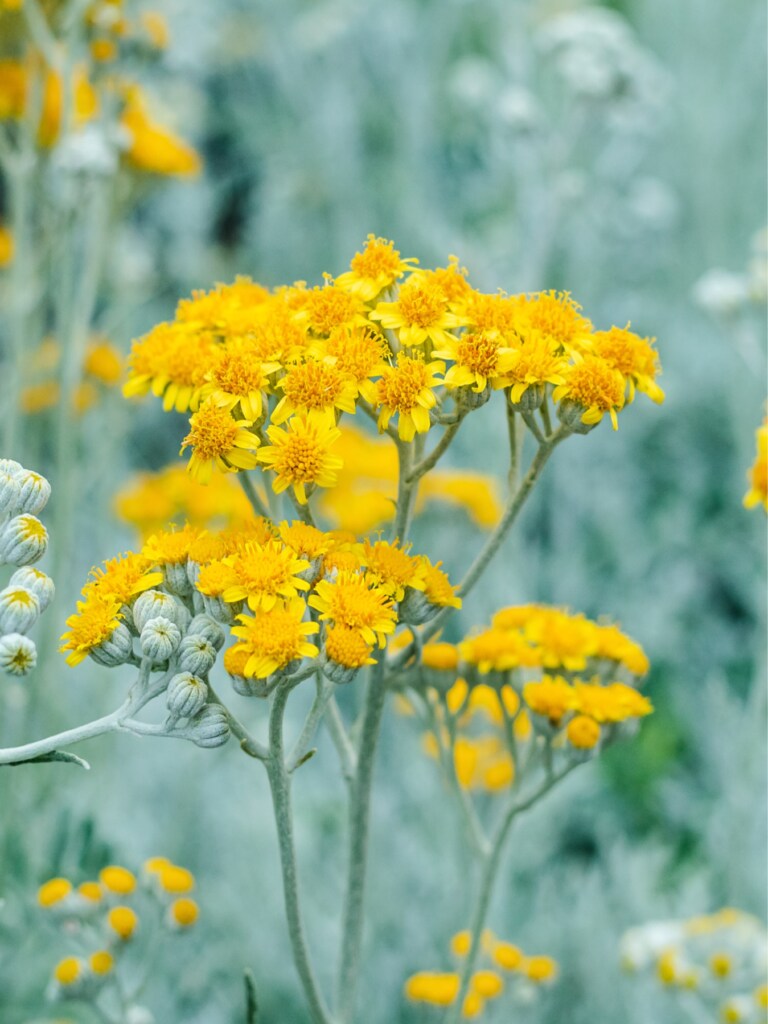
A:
23, 541
101, 919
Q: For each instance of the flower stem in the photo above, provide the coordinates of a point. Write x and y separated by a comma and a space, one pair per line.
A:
252, 494
280, 785
359, 818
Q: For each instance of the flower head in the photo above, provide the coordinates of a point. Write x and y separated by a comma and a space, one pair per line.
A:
419, 313
219, 441
377, 267
124, 577
315, 388
406, 390
758, 474
239, 377
352, 600
96, 619
264, 574
634, 357
593, 385
274, 639
479, 358
299, 456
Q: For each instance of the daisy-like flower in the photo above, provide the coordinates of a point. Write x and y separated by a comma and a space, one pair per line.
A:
634, 357
566, 641
437, 588
265, 573
758, 473
419, 313
124, 577
613, 703
215, 310
485, 312
377, 267
351, 600
346, 647
170, 547
96, 620
172, 361
497, 650
552, 697
300, 456
406, 390
594, 386
556, 315
357, 352
316, 389
391, 568
273, 640
218, 441
305, 540
451, 280
479, 358
239, 377
536, 362
327, 307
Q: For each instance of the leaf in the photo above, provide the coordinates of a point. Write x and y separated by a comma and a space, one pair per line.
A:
251, 1003
53, 755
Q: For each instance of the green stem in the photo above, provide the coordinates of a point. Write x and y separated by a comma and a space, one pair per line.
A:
280, 785
347, 755
359, 819
252, 494
324, 692
423, 467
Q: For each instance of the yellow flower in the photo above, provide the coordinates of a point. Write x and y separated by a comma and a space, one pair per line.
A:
428, 987
13, 89
595, 386
103, 362
613, 703
218, 442
357, 352
315, 389
265, 573
406, 390
419, 313
377, 267
345, 646
536, 362
583, 732
273, 640
391, 568
556, 316
552, 697
156, 29
6, 243
154, 149
231, 311
124, 577
634, 357
53, 891
328, 307
565, 640
117, 879
352, 600
123, 922
487, 984
443, 657
487, 312
174, 879
758, 474
170, 547
300, 456
451, 280
68, 971
496, 650
85, 104
479, 357
238, 376
184, 912
539, 969
507, 956
96, 619
101, 962
437, 588
90, 891
173, 361
305, 540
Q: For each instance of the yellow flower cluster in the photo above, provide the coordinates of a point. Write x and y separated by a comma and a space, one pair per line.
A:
758, 474
108, 913
504, 971
261, 581
500, 697
101, 370
268, 375
721, 957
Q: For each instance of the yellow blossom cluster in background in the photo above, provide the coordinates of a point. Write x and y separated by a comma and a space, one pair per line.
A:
102, 370
102, 917
504, 976
758, 474
96, 87
537, 671
260, 580
719, 961
267, 376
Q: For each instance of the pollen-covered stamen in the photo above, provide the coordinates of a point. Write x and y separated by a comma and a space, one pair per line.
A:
480, 352
421, 303
213, 432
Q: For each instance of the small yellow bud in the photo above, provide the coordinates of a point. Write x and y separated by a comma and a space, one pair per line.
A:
461, 943
68, 971
101, 962
123, 921
53, 891
117, 879
184, 912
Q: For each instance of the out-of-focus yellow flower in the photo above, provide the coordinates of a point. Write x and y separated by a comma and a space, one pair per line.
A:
6, 246
156, 29
103, 363
758, 473
154, 149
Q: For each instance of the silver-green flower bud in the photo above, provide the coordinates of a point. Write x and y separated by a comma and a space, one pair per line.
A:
11, 467
196, 655
219, 610
18, 654
159, 639
416, 608
152, 603
569, 413
35, 492
23, 540
10, 493
116, 649
530, 400
203, 625
19, 610
176, 578
186, 695
210, 726
41, 585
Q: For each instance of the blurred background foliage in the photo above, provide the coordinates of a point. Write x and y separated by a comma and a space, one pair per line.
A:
616, 151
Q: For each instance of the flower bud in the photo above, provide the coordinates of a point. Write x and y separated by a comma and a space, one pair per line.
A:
472, 399
18, 654
41, 585
219, 610
10, 494
159, 639
210, 726
11, 467
203, 625
23, 540
196, 655
176, 578
116, 649
416, 608
153, 603
186, 695
35, 492
19, 610
569, 414
530, 400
